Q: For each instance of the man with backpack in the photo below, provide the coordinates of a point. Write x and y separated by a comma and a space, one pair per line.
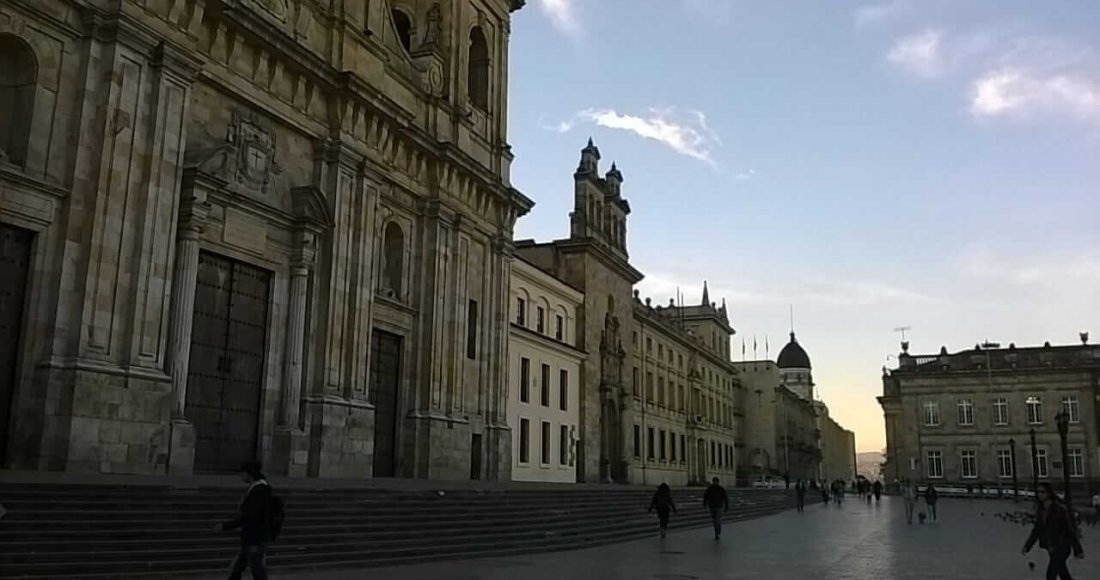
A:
260, 521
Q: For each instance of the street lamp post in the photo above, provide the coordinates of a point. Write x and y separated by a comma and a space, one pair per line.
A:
1015, 486
1034, 465
1062, 419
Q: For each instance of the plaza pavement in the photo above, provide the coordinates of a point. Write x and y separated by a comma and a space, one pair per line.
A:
856, 541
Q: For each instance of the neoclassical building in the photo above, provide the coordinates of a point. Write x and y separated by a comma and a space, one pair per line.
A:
544, 376
256, 228
967, 416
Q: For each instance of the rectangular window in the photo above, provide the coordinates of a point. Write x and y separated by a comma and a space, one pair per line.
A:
713, 454
649, 345
563, 390
524, 380
683, 448
545, 459
966, 412
635, 343
1000, 411
648, 386
1072, 407
663, 436
1076, 462
1041, 462
660, 350
1034, 410
649, 443
1004, 463
471, 330
559, 327
680, 360
524, 441
661, 391
681, 399
672, 446
935, 464
968, 461
931, 413
563, 445
635, 383
638, 441
521, 312
540, 320
545, 399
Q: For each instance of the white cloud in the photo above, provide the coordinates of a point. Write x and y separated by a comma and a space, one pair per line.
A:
1013, 92
745, 175
873, 14
920, 54
686, 133
562, 14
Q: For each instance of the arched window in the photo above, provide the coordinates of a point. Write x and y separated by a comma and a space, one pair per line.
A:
18, 73
393, 260
477, 82
403, 24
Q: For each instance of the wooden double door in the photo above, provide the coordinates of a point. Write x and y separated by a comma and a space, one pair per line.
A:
385, 380
15, 260
226, 370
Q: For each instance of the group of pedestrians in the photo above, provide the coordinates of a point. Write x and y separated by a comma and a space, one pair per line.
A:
715, 499
910, 493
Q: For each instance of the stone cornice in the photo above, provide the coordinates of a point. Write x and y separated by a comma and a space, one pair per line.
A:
605, 257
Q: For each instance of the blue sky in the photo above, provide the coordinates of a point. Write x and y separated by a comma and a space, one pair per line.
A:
923, 163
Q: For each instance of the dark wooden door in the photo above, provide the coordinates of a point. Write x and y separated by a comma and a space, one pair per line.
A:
225, 375
385, 377
15, 259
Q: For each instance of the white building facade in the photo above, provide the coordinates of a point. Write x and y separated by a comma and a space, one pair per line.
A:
544, 376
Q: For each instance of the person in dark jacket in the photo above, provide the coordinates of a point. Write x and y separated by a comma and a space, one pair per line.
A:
800, 495
931, 496
716, 499
254, 521
877, 487
662, 502
1055, 532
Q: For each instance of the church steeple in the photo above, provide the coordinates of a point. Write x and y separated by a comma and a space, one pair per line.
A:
706, 294
590, 159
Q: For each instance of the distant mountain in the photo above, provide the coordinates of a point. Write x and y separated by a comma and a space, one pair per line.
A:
869, 464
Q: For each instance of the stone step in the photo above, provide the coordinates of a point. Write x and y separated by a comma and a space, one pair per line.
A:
191, 568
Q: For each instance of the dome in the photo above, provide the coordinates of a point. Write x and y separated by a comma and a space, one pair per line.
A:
792, 356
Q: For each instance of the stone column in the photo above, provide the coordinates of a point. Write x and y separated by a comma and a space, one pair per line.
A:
296, 328
193, 212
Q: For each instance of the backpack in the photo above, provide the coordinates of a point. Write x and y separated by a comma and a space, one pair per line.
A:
276, 516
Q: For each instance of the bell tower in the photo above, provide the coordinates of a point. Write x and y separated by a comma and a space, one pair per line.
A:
599, 209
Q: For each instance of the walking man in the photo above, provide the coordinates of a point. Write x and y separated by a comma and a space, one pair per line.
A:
254, 521
878, 490
1056, 533
716, 499
800, 495
909, 494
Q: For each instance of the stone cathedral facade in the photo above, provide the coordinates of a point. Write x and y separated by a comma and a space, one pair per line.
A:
256, 228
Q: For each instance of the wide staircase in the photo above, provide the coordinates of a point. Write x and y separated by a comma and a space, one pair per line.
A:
98, 531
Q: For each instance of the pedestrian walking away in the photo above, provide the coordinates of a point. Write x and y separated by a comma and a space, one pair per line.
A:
930, 498
259, 519
909, 494
662, 502
1056, 533
800, 495
716, 499
878, 490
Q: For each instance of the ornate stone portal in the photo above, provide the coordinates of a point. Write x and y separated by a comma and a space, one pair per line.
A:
612, 358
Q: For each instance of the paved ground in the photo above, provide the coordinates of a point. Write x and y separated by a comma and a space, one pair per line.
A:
855, 541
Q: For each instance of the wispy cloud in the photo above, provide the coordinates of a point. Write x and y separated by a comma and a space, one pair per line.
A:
919, 54
745, 175
685, 132
873, 14
1078, 271
562, 14
1017, 93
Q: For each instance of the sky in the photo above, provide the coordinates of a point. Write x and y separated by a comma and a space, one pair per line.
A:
931, 164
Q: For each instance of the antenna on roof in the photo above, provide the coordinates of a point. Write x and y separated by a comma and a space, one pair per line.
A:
902, 330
